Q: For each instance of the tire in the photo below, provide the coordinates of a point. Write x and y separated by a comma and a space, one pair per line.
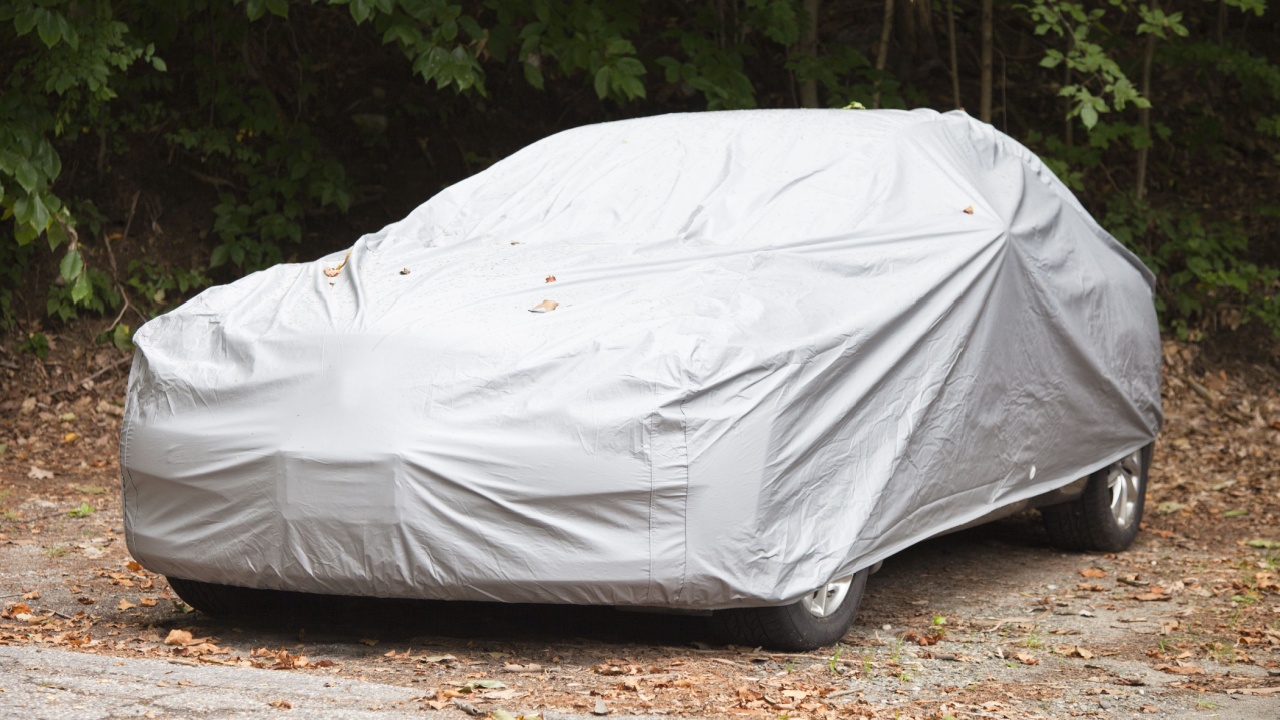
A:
799, 626
216, 599
1105, 518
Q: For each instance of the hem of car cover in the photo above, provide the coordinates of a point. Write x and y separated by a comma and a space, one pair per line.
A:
473, 593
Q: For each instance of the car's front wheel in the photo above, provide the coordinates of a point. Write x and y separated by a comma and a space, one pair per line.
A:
819, 618
217, 599
1106, 517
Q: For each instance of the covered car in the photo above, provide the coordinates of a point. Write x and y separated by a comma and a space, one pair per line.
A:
713, 361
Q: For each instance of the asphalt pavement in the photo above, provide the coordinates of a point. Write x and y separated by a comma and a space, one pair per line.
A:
44, 684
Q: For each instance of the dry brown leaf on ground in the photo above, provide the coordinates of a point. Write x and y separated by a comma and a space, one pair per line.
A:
1026, 658
1181, 669
1093, 573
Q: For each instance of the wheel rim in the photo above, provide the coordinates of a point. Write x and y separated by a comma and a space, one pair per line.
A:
1123, 481
828, 598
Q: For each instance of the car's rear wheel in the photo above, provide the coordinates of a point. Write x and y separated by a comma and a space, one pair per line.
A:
217, 599
820, 618
1105, 518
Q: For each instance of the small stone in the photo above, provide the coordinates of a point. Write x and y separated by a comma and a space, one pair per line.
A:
599, 709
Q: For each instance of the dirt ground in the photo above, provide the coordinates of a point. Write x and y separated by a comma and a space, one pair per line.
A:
987, 623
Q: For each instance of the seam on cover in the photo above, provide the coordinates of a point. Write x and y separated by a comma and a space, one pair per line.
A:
684, 508
648, 429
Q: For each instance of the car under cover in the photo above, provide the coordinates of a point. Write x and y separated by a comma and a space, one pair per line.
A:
784, 345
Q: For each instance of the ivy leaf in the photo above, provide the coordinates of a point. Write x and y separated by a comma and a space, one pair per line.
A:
279, 8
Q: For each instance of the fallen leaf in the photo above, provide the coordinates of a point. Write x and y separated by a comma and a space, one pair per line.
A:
85, 600
404, 271
33, 595
147, 602
333, 271
369, 641
125, 605
182, 638
551, 278
1263, 544
1026, 659
545, 306
39, 473
70, 437
468, 708
1093, 573
968, 210
134, 566
281, 704
437, 659
16, 609
1181, 669
1074, 651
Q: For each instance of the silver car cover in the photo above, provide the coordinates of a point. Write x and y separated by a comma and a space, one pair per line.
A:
780, 346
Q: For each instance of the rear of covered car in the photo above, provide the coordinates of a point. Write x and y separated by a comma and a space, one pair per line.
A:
783, 346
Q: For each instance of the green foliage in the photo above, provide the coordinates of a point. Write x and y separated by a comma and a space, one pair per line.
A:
1205, 279
120, 336
1101, 86
161, 286
83, 511
234, 93
37, 344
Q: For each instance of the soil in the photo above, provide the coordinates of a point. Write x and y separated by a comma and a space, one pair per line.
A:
990, 622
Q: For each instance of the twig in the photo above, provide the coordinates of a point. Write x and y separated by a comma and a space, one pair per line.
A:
123, 310
133, 208
217, 182
94, 376
6, 597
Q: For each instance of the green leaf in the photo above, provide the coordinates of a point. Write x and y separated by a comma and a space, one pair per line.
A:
159, 64
57, 234
1263, 544
279, 8
71, 266
1089, 116
533, 76
26, 175
255, 9
602, 82
122, 337
48, 27
81, 290
24, 234
219, 256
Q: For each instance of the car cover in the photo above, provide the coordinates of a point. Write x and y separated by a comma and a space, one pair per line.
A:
696, 361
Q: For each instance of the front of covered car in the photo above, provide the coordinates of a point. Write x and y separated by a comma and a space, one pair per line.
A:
780, 350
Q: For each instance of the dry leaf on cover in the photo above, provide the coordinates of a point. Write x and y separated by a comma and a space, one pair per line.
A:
545, 306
